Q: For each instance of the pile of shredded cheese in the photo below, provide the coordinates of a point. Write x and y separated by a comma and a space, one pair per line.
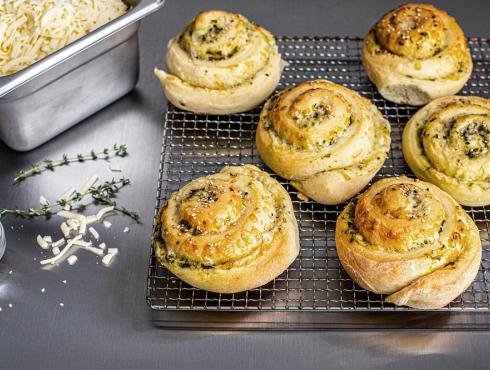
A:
74, 230
33, 29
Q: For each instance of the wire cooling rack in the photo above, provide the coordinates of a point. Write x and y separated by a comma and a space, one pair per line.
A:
196, 145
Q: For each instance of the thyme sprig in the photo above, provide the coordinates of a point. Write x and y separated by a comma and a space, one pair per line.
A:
50, 165
103, 194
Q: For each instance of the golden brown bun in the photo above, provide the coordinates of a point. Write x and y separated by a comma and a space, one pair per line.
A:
409, 239
447, 143
221, 63
416, 53
228, 232
325, 138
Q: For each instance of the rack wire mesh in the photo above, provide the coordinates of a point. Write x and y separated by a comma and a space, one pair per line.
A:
196, 145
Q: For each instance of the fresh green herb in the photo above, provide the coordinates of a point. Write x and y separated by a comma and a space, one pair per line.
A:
103, 194
48, 164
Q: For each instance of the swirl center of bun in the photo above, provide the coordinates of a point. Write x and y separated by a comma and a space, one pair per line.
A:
472, 133
411, 31
215, 35
311, 118
209, 209
402, 201
456, 140
400, 216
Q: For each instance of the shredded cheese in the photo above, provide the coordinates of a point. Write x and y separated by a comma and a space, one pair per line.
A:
88, 246
97, 251
104, 211
31, 30
83, 243
70, 215
58, 243
115, 168
74, 224
65, 230
83, 226
54, 259
77, 224
107, 259
68, 194
90, 182
43, 201
94, 233
42, 242
112, 251
91, 219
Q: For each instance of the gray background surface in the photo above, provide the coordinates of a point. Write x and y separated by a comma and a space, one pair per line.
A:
105, 322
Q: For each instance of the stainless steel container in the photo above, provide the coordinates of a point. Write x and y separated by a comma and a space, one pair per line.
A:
57, 92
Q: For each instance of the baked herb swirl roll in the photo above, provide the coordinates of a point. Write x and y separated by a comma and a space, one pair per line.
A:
325, 138
221, 63
447, 143
416, 53
411, 240
228, 232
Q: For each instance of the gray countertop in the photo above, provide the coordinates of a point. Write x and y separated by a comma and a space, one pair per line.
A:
105, 322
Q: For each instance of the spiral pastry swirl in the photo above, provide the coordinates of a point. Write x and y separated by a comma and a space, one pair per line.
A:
325, 138
416, 53
221, 63
411, 240
447, 143
228, 232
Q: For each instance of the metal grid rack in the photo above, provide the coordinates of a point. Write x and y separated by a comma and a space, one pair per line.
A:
197, 145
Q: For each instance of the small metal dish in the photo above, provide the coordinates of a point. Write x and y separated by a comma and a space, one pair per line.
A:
3, 241
57, 92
